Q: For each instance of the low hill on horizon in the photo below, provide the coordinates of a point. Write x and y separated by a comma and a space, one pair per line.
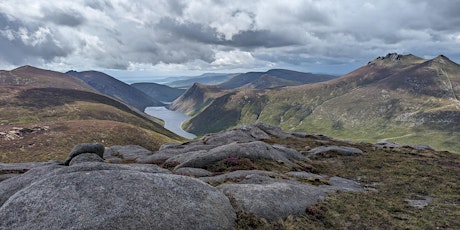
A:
400, 98
44, 112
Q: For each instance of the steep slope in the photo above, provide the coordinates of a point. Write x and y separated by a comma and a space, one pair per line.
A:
284, 78
196, 98
396, 97
266, 82
42, 112
158, 91
117, 89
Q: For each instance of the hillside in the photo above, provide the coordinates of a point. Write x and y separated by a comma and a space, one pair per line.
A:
196, 97
116, 88
274, 78
159, 92
43, 112
207, 78
399, 98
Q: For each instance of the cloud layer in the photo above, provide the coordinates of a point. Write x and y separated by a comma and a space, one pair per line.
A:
215, 35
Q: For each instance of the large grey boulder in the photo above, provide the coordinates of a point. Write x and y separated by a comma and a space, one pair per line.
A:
85, 157
96, 148
102, 196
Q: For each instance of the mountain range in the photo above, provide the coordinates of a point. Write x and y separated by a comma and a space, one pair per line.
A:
400, 98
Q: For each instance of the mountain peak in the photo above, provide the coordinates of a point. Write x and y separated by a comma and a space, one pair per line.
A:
395, 58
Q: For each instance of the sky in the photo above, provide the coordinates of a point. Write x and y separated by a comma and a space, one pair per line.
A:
154, 38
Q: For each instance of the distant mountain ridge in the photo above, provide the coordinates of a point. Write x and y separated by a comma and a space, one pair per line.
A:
207, 78
116, 88
160, 92
396, 97
274, 78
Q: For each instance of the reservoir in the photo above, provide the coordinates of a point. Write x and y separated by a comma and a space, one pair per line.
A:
173, 119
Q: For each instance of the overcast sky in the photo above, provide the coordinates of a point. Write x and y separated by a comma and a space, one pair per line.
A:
172, 37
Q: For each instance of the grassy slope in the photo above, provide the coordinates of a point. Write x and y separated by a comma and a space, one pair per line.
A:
32, 97
407, 101
391, 176
55, 141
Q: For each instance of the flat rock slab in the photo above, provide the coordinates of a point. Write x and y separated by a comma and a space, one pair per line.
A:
341, 150
240, 174
79, 197
273, 201
195, 172
118, 153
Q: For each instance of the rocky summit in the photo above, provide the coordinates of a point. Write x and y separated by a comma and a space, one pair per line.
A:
253, 176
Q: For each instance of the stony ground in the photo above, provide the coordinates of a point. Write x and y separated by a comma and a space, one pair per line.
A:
250, 177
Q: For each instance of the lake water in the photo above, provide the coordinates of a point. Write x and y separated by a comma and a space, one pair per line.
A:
173, 119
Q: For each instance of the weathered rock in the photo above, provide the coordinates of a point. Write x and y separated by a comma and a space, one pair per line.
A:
19, 168
240, 174
195, 172
272, 130
341, 150
85, 157
305, 175
173, 150
226, 137
253, 150
275, 200
387, 144
95, 148
93, 196
420, 202
342, 184
131, 153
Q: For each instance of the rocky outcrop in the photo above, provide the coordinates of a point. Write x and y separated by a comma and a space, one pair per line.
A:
212, 179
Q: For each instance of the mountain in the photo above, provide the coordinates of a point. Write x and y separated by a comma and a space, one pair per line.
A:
207, 78
196, 97
43, 112
400, 98
158, 91
274, 78
116, 88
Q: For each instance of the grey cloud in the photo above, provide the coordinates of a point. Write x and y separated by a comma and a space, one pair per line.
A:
17, 52
207, 35
66, 17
